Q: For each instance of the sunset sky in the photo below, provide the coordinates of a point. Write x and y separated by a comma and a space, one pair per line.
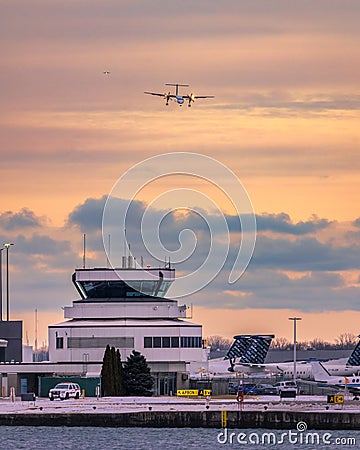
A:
285, 120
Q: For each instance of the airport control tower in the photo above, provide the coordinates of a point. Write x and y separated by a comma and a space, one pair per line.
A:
126, 308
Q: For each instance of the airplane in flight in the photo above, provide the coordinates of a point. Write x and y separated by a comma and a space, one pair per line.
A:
322, 378
338, 367
180, 99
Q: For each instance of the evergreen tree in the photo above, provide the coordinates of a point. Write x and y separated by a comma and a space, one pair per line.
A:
106, 373
119, 389
136, 374
111, 373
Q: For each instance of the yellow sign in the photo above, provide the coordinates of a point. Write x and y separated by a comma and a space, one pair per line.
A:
335, 398
205, 392
193, 392
187, 392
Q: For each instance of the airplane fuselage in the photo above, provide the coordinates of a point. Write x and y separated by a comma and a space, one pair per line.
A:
303, 370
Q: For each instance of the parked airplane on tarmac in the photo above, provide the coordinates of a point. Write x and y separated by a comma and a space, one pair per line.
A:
304, 370
249, 348
179, 99
322, 378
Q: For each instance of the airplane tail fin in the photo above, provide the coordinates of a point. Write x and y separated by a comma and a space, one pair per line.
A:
258, 349
238, 347
319, 372
176, 86
354, 358
250, 349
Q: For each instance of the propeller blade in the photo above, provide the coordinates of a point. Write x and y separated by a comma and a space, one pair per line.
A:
191, 99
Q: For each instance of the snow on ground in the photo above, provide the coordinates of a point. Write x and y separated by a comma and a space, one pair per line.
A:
137, 404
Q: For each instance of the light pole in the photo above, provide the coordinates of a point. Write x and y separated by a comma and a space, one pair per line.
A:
1, 288
294, 319
7, 280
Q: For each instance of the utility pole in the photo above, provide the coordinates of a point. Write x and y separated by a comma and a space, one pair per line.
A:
36, 337
294, 319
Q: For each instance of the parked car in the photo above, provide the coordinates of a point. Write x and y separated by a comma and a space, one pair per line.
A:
248, 389
266, 389
64, 391
286, 386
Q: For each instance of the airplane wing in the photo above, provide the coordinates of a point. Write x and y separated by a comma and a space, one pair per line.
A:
335, 387
353, 390
164, 95
246, 364
253, 367
188, 97
156, 93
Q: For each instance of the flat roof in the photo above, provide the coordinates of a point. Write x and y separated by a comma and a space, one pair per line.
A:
124, 323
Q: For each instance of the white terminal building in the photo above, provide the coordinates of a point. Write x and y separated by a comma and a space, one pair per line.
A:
125, 308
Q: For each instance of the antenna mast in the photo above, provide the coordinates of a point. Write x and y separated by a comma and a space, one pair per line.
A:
84, 251
109, 251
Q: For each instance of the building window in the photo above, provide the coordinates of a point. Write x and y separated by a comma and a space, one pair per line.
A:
100, 342
175, 342
191, 342
172, 342
59, 342
147, 342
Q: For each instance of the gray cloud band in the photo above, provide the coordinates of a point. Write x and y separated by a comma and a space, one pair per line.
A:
189, 164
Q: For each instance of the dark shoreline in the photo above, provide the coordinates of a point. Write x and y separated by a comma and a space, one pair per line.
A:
330, 420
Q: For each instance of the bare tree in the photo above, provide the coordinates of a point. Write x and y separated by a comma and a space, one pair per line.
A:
302, 345
217, 343
346, 341
320, 344
280, 343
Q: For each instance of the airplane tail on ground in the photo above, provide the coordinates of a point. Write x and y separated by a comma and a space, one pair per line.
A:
354, 358
319, 372
251, 349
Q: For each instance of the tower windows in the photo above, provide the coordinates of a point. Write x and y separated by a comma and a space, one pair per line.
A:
172, 342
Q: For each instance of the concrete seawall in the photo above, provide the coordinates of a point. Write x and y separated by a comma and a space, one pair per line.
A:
330, 420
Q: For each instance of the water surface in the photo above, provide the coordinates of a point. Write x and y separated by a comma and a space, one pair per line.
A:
98, 438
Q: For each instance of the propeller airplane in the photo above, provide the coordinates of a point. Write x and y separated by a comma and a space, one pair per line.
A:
179, 99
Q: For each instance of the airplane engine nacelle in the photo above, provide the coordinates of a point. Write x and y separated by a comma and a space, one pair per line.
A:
191, 99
